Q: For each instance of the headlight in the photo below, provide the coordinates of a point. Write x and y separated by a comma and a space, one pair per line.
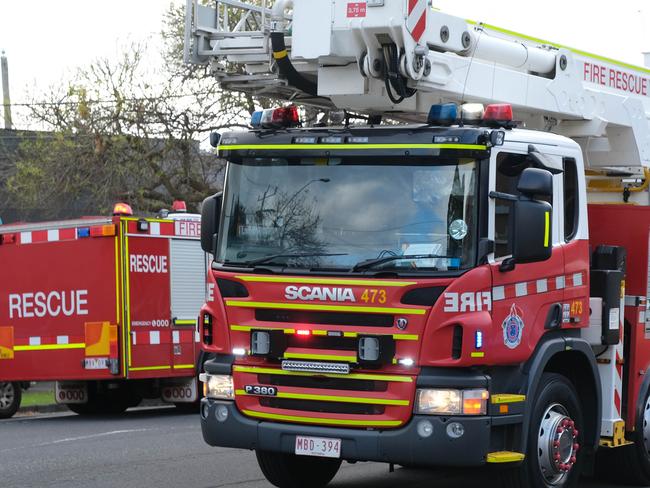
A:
217, 386
451, 402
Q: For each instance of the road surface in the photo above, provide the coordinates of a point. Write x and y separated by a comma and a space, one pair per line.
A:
159, 447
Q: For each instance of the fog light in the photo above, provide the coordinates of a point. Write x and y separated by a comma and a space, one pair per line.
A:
369, 348
425, 429
260, 343
205, 410
455, 430
221, 412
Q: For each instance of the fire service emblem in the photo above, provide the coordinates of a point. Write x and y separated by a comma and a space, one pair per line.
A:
513, 327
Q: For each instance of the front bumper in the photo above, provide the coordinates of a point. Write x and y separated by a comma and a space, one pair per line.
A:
399, 446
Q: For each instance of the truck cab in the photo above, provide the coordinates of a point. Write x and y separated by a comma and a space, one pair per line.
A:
383, 294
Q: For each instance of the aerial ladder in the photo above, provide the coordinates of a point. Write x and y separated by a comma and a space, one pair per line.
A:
395, 60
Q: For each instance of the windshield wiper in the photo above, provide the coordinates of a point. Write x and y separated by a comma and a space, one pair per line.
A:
369, 263
266, 259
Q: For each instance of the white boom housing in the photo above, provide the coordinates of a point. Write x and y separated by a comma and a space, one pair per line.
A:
340, 47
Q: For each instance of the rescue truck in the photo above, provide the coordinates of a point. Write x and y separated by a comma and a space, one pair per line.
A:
104, 306
466, 288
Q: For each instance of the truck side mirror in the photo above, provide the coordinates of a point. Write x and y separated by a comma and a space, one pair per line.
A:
210, 215
532, 218
532, 234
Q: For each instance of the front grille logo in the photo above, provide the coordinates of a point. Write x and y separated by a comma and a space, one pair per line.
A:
401, 323
308, 293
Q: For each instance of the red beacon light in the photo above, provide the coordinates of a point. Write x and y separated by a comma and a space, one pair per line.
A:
179, 206
498, 114
122, 209
276, 117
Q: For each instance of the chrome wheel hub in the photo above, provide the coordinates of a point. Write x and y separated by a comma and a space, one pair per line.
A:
557, 444
7, 395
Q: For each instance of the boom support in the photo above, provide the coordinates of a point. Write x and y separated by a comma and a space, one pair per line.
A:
402, 56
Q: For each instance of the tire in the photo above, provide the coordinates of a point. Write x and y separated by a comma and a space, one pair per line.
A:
630, 464
10, 397
556, 417
291, 471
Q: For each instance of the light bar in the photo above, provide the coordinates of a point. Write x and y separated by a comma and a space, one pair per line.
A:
472, 112
276, 117
498, 113
444, 114
316, 367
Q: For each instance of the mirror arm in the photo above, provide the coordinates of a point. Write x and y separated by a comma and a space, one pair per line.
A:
507, 264
502, 196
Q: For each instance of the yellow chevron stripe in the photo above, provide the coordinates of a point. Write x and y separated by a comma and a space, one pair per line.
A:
348, 147
353, 376
322, 281
320, 357
50, 347
325, 308
334, 398
323, 421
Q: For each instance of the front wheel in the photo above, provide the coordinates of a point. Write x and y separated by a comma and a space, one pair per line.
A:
10, 397
553, 457
291, 471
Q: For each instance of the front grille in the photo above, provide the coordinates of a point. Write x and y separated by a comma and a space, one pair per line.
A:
324, 383
323, 407
324, 318
323, 342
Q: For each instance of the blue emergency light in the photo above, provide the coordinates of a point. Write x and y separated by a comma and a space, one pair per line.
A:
256, 119
443, 114
83, 232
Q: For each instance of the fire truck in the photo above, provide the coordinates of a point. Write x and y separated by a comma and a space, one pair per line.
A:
105, 306
465, 288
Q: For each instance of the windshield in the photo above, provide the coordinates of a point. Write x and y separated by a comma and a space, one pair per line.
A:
351, 213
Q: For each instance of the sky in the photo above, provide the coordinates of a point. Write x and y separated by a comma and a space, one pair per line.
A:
45, 40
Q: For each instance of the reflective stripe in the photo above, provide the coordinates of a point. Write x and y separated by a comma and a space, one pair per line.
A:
477, 355
185, 322
183, 366
150, 368
49, 347
547, 227
280, 54
325, 308
315, 420
333, 398
246, 328
505, 457
323, 357
359, 376
322, 281
348, 147
501, 398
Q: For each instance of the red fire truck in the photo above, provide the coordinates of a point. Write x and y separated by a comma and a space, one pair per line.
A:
104, 306
459, 290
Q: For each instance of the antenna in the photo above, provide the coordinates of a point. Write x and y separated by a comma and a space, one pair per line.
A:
6, 99
471, 60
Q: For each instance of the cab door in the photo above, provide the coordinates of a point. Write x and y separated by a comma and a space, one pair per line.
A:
148, 307
524, 296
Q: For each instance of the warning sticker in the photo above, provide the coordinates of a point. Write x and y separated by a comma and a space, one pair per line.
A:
356, 9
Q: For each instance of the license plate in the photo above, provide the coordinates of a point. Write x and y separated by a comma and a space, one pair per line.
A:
318, 446
181, 392
66, 392
96, 363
